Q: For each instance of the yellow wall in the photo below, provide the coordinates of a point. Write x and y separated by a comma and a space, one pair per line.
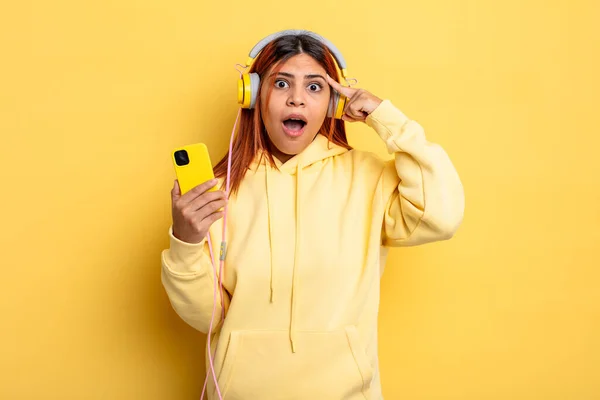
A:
93, 96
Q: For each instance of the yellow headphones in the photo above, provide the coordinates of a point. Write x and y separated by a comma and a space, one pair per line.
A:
249, 83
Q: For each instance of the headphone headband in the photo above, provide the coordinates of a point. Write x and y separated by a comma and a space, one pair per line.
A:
341, 62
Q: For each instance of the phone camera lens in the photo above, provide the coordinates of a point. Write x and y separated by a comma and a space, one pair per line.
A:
182, 158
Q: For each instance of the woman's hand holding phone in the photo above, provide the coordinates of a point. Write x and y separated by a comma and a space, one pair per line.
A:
196, 210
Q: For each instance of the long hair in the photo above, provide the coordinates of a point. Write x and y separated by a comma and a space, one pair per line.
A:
251, 138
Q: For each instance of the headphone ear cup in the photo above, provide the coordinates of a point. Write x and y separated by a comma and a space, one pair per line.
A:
341, 106
248, 86
336, 107
244, 91
254, 86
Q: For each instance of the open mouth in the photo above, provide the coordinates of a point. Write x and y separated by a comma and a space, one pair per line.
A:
294, 125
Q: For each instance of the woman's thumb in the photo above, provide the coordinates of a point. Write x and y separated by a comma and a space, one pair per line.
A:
176, 191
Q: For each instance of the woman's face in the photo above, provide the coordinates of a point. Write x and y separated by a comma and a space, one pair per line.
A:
297, 105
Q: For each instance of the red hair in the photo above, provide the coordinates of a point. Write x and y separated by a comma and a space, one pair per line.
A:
251, 137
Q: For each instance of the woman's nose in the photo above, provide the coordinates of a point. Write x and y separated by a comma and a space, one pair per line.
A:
296, 97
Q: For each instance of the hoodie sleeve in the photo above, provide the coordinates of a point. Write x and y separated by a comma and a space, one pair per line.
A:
423, 194
188, 277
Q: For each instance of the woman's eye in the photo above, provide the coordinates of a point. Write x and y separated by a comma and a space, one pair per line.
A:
281, 84
314, 87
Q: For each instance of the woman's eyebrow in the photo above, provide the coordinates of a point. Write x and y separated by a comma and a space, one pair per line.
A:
286, 74
313, 76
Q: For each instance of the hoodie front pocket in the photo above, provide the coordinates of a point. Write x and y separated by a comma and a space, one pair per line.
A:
326, 365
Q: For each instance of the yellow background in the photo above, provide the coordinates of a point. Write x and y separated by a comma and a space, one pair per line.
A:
94, 95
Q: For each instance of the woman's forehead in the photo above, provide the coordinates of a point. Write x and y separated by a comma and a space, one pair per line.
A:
300, 64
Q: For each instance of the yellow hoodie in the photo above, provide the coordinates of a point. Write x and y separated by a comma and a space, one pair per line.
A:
306, 250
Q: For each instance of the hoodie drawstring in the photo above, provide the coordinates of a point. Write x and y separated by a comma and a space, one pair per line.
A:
296, 257
270, 222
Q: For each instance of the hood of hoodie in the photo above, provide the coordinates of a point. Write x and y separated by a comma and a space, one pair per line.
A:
319, 150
